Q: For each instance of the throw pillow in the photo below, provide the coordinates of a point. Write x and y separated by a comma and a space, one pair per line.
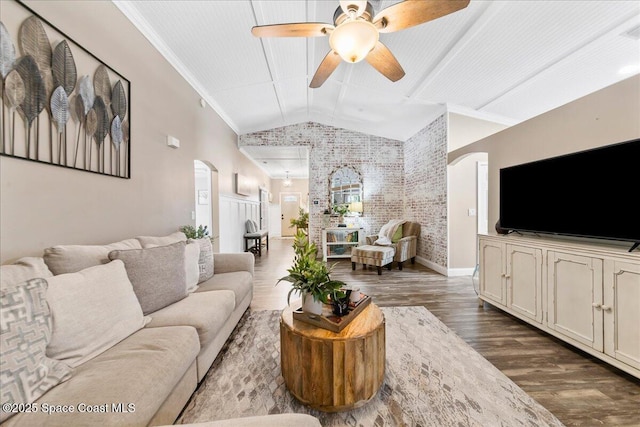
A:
151, 241
93, 310
26, 372
157, 274
251, 226
397, 235
22, 270
73, 258
191, 265
205, 262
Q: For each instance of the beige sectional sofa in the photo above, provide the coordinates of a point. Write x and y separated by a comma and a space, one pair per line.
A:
147, 376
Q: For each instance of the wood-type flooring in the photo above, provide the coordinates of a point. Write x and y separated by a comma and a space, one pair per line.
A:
577, 388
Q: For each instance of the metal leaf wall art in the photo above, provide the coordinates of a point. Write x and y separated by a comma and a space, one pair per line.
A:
34, 96
63, 68
7, 51
7, 60
56, 84
14, 94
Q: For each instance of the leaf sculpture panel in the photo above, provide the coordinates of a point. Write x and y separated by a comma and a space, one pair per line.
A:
34, 41
41, 68
102, 85
14, 91
7, 51
119, 100
64, 68
34, 91
102, 120
60, 108
85, 90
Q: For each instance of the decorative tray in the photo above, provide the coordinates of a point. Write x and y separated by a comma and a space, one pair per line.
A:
330, 321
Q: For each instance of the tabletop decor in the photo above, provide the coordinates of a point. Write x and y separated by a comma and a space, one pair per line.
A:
309, 276
72, 109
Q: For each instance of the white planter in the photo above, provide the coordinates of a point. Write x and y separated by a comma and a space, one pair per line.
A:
311, 306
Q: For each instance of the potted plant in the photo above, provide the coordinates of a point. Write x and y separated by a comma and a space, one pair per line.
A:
191, 232
341, 210
309, 276
302, 222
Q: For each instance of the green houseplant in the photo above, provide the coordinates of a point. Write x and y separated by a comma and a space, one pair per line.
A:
302, 222
192, 233
341, 210
309, 276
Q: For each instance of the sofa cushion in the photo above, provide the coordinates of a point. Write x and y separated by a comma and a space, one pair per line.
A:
205, 311
240, 282
22, 270
141, 370
73, 258
26, 373
157, 274
205, 262
151, 241
92, 310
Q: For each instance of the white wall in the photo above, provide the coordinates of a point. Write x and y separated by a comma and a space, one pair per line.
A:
462, 182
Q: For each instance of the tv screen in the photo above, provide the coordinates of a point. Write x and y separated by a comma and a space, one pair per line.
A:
593, 193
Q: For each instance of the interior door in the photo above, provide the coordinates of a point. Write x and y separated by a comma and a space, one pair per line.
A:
289, 205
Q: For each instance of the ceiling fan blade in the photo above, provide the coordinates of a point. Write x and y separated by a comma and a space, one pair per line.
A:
383, 60
327, 66
414, 12
297, 29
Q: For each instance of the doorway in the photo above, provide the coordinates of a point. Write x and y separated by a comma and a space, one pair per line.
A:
207, 206
289, 206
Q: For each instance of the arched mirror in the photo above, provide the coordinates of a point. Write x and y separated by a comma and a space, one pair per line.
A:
345, 191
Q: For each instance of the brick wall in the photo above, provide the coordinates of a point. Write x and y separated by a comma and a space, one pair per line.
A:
380, 161
425, 194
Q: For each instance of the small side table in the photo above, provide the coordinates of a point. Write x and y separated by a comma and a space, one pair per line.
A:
331, 371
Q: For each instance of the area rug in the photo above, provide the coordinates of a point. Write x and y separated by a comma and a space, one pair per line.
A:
432, 378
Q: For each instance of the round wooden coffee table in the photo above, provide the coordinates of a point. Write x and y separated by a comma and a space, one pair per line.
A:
332, 371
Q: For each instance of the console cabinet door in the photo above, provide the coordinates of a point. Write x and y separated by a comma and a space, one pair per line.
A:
575, 297
524, 281
492, 275
621, 310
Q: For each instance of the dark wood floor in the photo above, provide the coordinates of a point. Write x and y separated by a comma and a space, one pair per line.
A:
577, 388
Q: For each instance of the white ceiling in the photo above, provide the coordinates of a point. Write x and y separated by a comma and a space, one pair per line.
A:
502, 60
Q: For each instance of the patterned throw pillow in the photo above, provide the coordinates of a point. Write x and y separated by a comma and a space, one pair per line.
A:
25, 331
205, 262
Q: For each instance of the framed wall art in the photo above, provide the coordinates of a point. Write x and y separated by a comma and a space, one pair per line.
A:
61, 105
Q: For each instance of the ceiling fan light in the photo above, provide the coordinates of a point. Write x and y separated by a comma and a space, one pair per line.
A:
358, 5
354, 39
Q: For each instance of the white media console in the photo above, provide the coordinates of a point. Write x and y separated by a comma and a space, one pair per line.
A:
585, 294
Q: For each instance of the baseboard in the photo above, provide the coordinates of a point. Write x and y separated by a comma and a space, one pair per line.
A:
432, 265
461, 272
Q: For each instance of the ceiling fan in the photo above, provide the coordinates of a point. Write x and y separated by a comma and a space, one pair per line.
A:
355, 32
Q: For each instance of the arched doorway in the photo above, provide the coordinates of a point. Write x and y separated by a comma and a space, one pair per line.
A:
207, 206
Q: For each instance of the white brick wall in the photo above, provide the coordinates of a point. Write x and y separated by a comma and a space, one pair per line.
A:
425, 174
400, 180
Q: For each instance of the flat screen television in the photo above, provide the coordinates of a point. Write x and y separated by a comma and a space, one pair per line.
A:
593, 193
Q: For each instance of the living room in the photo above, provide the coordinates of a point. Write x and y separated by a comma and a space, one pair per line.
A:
44, 206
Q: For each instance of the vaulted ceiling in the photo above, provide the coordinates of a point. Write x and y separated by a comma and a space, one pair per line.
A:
506, 61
